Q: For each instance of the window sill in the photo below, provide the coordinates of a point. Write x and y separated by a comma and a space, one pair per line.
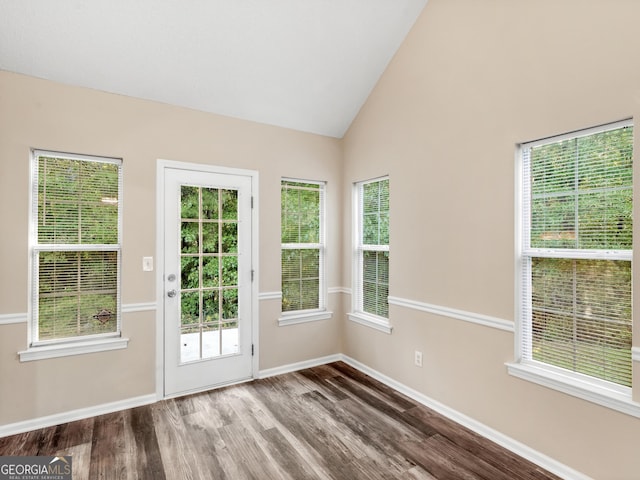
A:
72, 348
377, 323
299, 317
598, 394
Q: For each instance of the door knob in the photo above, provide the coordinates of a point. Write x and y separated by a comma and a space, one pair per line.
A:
171, 293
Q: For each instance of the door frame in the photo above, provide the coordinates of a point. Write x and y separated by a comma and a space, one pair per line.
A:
161, 167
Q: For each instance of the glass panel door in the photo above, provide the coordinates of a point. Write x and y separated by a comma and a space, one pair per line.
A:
208, 298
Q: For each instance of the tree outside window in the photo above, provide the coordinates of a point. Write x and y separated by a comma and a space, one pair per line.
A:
302, 217
577, 250
76, 247
373, 248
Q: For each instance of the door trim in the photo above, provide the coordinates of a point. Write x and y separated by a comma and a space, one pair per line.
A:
161, 166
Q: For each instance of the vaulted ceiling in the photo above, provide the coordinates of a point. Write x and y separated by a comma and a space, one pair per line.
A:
303, 64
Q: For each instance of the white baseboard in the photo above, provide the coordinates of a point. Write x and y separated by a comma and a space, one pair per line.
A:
73, 415
509, 443
294, 367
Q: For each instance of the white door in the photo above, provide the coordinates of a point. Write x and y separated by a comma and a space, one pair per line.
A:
207, 279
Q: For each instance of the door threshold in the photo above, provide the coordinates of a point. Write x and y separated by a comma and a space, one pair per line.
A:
207, 388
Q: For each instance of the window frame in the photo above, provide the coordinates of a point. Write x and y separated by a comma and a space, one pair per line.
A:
292, 317
358, 314
593, 389
38, 349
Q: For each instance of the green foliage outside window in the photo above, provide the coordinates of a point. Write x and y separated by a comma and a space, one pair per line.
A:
581, 199
582, 192
301, 245
582, 308
77, 205
375, 258
209, 258
375, 283
77, 202
375, 213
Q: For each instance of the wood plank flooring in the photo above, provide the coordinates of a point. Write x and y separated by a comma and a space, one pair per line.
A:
327, 422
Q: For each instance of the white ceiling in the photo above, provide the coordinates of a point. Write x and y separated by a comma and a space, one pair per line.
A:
302, 64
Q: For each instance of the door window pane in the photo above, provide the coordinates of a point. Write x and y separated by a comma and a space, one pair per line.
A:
209, 234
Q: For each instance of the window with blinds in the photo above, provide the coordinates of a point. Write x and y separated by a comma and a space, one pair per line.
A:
577, 252
75, 247
372, 247
303, 245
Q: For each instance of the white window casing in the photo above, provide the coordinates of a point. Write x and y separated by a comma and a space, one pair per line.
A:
573, 262
371, 254
75, 255
303, 251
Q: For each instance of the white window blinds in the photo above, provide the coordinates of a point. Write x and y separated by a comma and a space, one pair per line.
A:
373, 247
303, 245
577, 250
76, 246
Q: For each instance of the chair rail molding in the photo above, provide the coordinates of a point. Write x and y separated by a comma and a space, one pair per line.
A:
463, 315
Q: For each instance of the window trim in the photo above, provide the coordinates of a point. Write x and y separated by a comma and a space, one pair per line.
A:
593, 389
70, 348
358, 315
42, 349
294, 317
572, 385
303, 316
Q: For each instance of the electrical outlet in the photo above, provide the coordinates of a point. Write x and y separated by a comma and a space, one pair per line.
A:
147, 264
417, 358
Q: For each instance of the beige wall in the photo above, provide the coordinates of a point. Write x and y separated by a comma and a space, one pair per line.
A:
41, 114
472, 80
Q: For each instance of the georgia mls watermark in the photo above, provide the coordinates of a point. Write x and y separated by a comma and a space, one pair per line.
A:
35, 468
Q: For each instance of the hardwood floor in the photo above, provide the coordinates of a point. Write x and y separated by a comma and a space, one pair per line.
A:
327, 422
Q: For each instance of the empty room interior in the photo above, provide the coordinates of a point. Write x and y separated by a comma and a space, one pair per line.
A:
432, 197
